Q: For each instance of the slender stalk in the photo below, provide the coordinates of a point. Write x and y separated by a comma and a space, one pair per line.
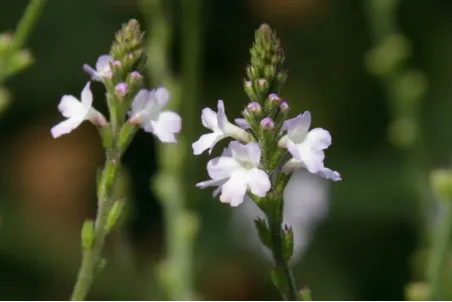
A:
439, 258
282, 265
27, 23
91, 258
172, 184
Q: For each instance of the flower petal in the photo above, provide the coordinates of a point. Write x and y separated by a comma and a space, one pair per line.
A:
161, 96
222, 120
87, 97
210, 183
65, 127
258, 182
234, 190
139, 102
103, 64
171, 121
254, 153
209, 119
206, 141
69, 106
159, 130
298, 127
329, 174
318, 139
242, 123
222, 167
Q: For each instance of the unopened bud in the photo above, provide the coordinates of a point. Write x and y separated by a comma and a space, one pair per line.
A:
116, 64
284, 106
273, 97
136, 75
267, 123
253, 107
121, 90
262, 83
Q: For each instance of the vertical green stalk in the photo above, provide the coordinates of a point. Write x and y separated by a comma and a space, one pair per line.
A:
173, 183
440, 253
91, 257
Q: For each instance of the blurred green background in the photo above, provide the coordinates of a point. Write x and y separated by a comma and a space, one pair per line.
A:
365, 249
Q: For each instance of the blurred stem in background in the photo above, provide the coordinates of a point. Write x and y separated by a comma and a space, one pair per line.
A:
405, 89
173, 184
13, 58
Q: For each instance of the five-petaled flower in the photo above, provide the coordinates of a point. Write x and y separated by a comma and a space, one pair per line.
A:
76, 112
306, 146
235, 172
221, 127
147, 111
102, 70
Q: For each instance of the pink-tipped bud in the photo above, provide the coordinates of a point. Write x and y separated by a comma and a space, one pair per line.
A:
116, 64
274, 98
284, 106
267, 123
253, 107
121, 90
262, 82
136, 75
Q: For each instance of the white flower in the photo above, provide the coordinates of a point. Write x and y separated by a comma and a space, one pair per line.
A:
102, 69
236, 172
307, 146
76, 112
221, 127
147, 111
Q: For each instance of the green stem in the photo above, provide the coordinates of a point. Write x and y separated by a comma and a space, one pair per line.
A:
91, 258
171, 184
290, 291
23, 30
439, 257
27, 23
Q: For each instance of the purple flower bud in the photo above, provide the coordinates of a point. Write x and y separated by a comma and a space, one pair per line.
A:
284, 106
136, 75
267, 123
273, 97
116, 64
253, 107
121, 90
248, 84
262, 82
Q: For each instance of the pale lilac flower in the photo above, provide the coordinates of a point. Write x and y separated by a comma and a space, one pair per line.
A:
102, 70
76, 112
235, 172
147, 111
307, 146
121, 90
221, 127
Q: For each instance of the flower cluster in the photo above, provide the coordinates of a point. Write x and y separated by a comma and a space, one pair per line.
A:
119, 72
255, 162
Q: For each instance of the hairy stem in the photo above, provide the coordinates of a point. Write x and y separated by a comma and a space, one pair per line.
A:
91, 258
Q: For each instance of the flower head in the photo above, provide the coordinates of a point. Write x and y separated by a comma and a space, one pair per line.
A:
235, 172
221, 128
307, 146
76, 112
147, 111
102, 70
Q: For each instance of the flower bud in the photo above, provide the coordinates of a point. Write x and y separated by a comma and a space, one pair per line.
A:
284, 106
274, 98
121, 90
253, 107
248, 86
87, 234
267, 123
288, 244
116, 64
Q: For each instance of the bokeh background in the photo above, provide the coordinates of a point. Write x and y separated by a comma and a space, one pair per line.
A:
369, 244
